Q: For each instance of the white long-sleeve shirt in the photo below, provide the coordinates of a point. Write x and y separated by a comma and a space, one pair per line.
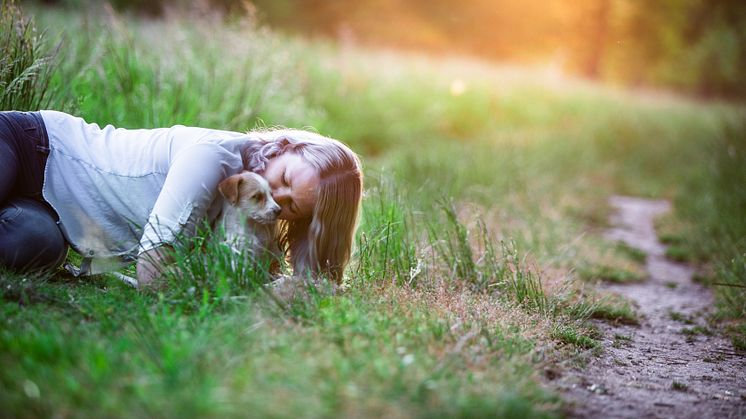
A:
120, 192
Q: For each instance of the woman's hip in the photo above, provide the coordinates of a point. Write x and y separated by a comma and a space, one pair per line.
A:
25, 147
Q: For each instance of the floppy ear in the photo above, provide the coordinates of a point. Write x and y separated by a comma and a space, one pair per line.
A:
229, 188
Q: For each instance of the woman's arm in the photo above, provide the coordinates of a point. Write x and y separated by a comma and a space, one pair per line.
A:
189, 189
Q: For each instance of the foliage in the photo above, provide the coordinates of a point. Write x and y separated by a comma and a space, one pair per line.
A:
25, 67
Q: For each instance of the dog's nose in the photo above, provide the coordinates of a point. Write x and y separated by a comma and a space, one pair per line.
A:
276, 211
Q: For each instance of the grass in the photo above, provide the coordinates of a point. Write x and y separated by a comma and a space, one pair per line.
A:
25, 67
678, 254
610, 262
480, 209
633, 253
617, 311
610, 307
696, 330
576, 337
675, 385
610, 274
620, 341
680, 317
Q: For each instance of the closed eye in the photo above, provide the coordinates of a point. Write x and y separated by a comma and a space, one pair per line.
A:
292, 207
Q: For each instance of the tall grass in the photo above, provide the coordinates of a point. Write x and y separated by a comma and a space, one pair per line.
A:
26, 66
449, 252
181, 77
713, 204
208, 274
386, 242
450, 240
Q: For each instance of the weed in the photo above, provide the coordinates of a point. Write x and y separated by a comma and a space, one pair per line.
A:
609, 307
679, 254
616, 310
680, 317
621, 340
632, 253
737, 334
574, 336
696, 330
678, 386
609, 273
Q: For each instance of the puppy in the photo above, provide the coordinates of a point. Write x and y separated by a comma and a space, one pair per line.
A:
249, 217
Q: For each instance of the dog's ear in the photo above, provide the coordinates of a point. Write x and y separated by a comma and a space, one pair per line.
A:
229, 188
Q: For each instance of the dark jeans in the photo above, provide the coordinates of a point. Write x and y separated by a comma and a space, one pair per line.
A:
30, 238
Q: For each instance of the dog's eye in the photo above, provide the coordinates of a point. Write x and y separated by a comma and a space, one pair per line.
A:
257, 197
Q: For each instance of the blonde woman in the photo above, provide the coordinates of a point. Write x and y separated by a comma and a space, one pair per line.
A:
117, 195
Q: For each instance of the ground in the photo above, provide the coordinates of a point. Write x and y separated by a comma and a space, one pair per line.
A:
670, 365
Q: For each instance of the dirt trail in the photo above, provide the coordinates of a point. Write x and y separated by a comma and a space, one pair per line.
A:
671, 365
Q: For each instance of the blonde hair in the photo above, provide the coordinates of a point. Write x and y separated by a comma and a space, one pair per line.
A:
322, 243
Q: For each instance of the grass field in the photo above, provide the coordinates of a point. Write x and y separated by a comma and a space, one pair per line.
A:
479, 243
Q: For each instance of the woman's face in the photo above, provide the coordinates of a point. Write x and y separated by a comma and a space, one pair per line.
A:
294, 183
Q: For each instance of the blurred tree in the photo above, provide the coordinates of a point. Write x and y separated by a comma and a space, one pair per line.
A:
599, 18
694, 45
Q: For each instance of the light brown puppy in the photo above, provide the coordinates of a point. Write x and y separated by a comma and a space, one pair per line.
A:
249, 216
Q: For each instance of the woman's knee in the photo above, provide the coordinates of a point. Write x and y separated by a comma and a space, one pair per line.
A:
30, 239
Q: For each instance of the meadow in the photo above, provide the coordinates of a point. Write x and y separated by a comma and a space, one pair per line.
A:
480, 241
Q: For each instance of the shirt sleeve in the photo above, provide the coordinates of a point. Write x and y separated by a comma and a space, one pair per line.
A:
188, 191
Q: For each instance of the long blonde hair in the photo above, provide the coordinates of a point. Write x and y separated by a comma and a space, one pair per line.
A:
322, 243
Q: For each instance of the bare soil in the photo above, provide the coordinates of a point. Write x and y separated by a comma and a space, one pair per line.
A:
674, 364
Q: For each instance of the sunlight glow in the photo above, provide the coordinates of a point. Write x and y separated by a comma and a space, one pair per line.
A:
458, 87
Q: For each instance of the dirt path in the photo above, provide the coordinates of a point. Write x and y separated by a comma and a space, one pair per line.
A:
671, 365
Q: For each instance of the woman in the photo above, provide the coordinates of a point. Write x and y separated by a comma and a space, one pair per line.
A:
118, 195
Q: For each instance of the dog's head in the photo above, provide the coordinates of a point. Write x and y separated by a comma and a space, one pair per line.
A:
251, 195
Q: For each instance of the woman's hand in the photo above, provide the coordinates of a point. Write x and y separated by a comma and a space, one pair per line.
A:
150, 266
